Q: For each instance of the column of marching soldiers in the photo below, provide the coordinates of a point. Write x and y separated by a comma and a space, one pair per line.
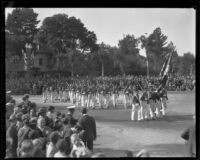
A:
146, 103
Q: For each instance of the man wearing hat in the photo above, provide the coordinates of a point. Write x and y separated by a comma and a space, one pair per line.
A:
71, 120
24, 131
88, 124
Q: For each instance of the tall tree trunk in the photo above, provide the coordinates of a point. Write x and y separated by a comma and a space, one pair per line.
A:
72, 69
102, 69
122, 69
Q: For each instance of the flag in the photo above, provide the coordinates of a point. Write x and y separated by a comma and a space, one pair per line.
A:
163, 67
165, 72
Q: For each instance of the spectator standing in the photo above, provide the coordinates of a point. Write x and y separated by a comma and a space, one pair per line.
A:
88, 124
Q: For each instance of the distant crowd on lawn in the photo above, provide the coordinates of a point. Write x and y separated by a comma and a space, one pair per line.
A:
35, 85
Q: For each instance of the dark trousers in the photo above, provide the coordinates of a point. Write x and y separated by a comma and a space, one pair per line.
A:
89, 144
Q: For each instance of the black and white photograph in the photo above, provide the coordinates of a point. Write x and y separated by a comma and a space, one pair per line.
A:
100, 82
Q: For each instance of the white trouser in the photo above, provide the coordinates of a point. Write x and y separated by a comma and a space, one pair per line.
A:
125, 101
114, 100
44, 96
135, 114
158, 109
145, 110
52, 96
164, 105
83, 100
152, 105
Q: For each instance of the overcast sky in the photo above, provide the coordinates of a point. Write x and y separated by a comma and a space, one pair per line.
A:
110, 24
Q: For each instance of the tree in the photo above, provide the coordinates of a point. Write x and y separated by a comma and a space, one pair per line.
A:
66, 36
186, 62
157, 48
21, 26
22, 22
127, 57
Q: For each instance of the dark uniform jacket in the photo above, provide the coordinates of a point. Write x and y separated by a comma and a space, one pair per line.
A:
89, 126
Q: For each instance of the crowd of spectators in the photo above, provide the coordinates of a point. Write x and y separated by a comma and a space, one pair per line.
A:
41, 132
35, 85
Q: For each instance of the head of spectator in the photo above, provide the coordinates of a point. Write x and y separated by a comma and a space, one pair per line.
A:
27, 96
65, 121
25, 119
26, 148
42, 112
51, 109
19, 106
40, 143
63, 148
71, 110
16, 110
12, 102
58, 115
24, 99
63, 115
98, 155
33, 112
128, 154
37, 152
33, 106
41, 123
84, 110
143, 153
33, 134
75, 139
54, 137
12, 120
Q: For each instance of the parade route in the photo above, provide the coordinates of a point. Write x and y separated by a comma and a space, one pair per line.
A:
116, 132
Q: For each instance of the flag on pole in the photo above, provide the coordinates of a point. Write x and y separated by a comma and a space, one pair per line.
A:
165, 72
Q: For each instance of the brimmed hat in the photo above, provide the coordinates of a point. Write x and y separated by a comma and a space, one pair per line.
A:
71, 107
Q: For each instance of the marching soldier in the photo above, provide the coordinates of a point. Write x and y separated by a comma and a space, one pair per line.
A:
164, 99
145, 108
126, 93
135, 114
44, 94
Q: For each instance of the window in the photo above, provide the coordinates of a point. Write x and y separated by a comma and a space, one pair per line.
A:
40, 62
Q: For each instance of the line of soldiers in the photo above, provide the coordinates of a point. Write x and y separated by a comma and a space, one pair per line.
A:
99, 93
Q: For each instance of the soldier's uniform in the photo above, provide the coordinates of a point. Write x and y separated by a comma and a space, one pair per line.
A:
164, 98
155, 105
135, 114
145, 108
126, 97
44, 94
51, 90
